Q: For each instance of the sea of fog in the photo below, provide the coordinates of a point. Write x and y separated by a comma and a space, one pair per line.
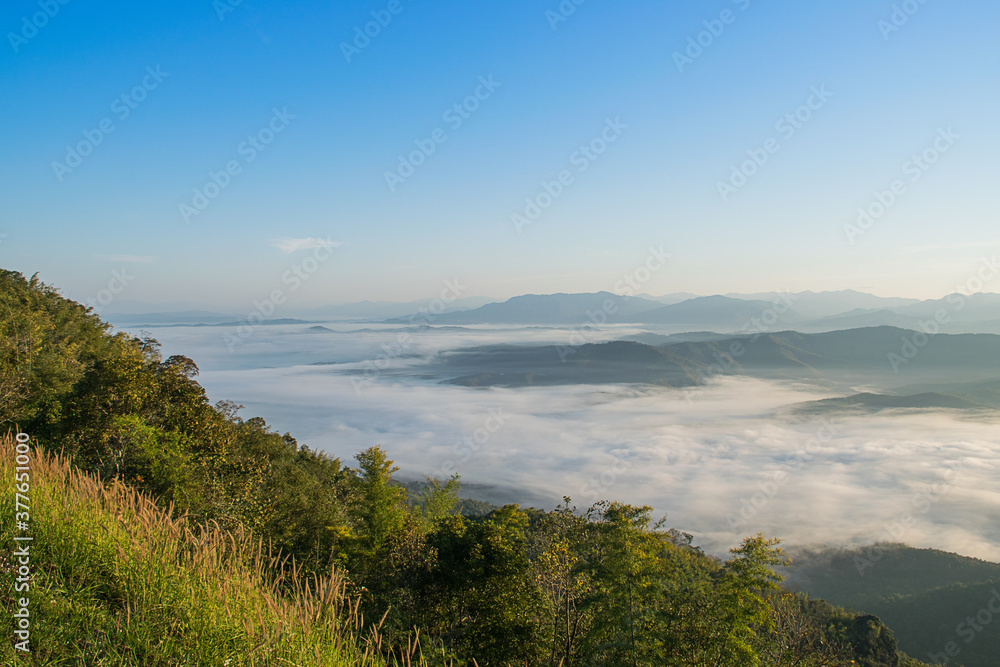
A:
719, 461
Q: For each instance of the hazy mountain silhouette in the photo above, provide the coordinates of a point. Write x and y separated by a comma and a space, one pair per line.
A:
718, 312
869, 403
958, 307
860, 318
803, 311
551, 309
815, 305
884, 355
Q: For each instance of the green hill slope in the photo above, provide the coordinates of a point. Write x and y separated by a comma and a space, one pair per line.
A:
932, 600
115, 581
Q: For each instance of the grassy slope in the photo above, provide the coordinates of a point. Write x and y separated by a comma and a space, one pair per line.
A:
116, 581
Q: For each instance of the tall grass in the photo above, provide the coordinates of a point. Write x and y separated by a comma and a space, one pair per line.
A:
117, 581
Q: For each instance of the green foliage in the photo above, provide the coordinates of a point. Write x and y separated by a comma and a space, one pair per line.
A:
855, 577
378, 508
873, 644
498, 586
46, 344
117, 583
417, 494
437, 501
925, 596
479, 595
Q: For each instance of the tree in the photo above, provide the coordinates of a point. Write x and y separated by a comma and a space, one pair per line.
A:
438, 501
47, 343
555, 545
873, 644
743, 610
378, 508
480, 597
798, 635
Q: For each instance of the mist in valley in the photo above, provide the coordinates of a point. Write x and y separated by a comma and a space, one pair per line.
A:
721, 460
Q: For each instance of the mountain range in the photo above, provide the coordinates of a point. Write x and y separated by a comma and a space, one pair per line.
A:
810, 312
804, 311
138, 313
885, 358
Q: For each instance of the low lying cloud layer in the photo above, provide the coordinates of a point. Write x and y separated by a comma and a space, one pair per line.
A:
719, 460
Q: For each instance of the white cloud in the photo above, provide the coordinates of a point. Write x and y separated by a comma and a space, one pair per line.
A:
701, 461
287, 245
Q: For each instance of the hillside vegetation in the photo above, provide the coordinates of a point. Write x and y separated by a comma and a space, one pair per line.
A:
929, 598
117, 581
162, 562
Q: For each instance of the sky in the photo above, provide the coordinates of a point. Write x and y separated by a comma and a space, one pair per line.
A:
215, 152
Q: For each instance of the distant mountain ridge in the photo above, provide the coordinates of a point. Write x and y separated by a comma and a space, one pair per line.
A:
809, 312
135, 313
720, 311
850, 356
815, 305
568, 309
870, 402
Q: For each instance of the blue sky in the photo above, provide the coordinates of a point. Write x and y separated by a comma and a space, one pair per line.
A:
890, 92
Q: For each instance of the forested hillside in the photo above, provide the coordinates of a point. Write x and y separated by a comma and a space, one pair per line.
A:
935, 601
605, 585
